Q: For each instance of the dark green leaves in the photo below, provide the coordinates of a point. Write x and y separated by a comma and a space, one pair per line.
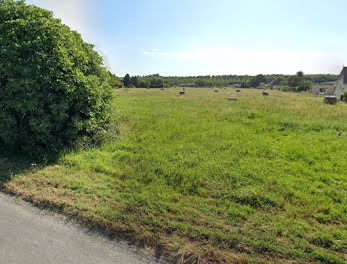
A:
53, 87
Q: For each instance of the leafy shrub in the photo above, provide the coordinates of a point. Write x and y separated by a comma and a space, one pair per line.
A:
286, 88
156, 82
53, 87
303, 86
344, 96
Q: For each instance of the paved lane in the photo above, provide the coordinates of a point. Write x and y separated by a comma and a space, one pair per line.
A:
28, 235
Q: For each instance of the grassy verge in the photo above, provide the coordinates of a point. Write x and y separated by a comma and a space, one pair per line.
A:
206, 180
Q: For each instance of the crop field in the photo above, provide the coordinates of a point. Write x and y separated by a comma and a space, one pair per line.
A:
201, 179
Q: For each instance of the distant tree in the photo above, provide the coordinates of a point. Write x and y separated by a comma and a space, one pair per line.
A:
293, 81
143, 83
344, 96
257, 80
279, 80
304, 86
114, 81
200, 83
297, 82
243, 85
126, 80
134, 81
300, 74
224, 80
156, 82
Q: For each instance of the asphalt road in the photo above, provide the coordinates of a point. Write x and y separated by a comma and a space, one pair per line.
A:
30, 236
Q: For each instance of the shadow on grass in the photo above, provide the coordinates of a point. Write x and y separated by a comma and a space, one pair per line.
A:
9, 167
12, 165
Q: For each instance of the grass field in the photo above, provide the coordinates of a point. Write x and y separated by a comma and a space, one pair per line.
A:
206, 180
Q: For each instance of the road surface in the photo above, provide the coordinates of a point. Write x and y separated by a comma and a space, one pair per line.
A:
28, 235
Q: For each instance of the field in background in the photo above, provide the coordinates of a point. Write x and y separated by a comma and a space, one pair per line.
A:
205, 179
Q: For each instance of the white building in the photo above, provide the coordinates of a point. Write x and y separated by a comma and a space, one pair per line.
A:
321, 89
341, 84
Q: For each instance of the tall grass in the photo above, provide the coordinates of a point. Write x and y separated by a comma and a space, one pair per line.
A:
257, 180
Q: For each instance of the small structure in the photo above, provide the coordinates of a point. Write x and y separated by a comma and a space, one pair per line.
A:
265, 93
330, 99
182, 92
322, 89
238, 90
232, 98
235, 84
275, 83
263, 86
341, 84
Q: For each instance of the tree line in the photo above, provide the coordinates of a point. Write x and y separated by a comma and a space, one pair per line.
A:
298, 82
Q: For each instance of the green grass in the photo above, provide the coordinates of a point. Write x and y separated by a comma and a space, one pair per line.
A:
206, 180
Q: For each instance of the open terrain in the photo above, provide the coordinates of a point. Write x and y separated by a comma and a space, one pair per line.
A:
206, 180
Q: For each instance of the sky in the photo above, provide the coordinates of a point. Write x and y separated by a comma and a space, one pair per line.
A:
210, 37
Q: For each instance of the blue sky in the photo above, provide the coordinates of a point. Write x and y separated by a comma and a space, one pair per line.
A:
201, 37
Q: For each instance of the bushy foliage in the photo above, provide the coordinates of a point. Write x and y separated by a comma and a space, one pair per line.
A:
294, 80
134, 81
156, 82
295, 83
303, 86
244, 81
144, 84
344, 96
285, 88
127, 80
53, 87
257, 80
115, 81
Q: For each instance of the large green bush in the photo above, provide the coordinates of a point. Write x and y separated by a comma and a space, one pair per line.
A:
54, 90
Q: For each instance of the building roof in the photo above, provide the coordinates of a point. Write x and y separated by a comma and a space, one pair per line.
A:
274, 82
344, 74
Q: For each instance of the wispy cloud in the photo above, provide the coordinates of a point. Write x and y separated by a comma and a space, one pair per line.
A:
156, 52
230, 60
229, 53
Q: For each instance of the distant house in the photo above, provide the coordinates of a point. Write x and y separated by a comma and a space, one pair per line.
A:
341, 83
263, 86
321, 89
235, 84
273, 84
